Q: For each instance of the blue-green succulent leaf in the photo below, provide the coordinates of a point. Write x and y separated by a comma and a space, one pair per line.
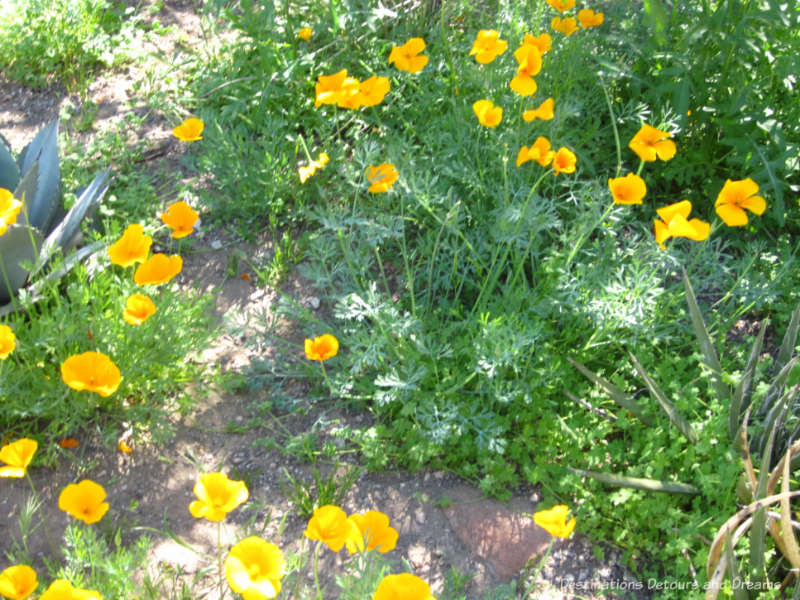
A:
64, 235
43, 206
9, 171
19, 248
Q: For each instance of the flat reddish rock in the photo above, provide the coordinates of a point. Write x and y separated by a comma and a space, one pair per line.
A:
506, 539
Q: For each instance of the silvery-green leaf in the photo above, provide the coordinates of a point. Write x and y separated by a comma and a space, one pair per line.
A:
43, 206
26, 189
9, 171
67, 231
19, 246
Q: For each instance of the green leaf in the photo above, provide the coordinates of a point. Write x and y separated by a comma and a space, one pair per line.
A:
43, 206
675, 417
19, 245
650, 485
65, 234
706, 345
616, 394
9, 171
658, 19
743, 391
789, 340
26, 189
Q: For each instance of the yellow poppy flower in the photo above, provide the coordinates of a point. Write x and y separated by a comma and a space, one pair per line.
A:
588, 18
381, 177
330, 525
189, 130
404, 586
328, 88
305, 172
544, 112
375, 533
254, 568
554, 521
630, 189
562, 5
488, 114
180, 217
407, 57
9, 209
123, 447
542, 42
158, 269
138, 308
321, 348
564, 161
61, 589
650, 143
350, 96
676, 223
529, 61
8, 341
84, 501
17, 456
305, 33
217, 496
18, 582
132, 247
567, 26
92, 371
735, 197
373, 90
487, 46
540, 152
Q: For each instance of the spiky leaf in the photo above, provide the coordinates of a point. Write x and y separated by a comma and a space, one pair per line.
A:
26, 189
43, 152
649, 485
67, 231
19, 246
9, 171
616, 394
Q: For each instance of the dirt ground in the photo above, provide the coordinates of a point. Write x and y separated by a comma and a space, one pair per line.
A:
444, 522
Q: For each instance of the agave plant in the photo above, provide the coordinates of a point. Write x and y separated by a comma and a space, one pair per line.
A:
43, 227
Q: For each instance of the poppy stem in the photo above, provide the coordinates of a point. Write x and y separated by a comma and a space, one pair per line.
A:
316, 569
44, 522
219, 557
539, 568
327, 379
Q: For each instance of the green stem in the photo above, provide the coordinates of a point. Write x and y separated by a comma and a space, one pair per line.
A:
538, 569
577, 245
219, 557
327, 379
614, 126
496, 268
44, 523
316, 570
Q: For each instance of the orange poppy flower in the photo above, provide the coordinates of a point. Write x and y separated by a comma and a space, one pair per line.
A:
540, 152
254, 568
542, 42
650, 143
735, 197
567, 26
92, 371
529, 60
158, 269
630, 189
407, 57
330, 525
554, 521
589, 18
488, 114
84, 501
405, 586
132, 247
18, 582
189, 130
180, 217
676, 223
564, 161
375, 533
217, 496
8, 341
487, 46
322, 348
17, 456
9, 209
138, 308
68, 443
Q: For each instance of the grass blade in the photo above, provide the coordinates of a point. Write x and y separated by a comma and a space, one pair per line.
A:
649, 485
743, 391
616, 394
675, 417
706, 345
790, 541
789, 339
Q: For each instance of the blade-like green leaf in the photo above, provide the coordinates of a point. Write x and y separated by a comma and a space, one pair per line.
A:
26, 189
650, 485
675, 417
19, 245
789, 340
741, 395
43, 151
771, 402
616, 394
706, 345
738, 592
9, 171
66, 232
